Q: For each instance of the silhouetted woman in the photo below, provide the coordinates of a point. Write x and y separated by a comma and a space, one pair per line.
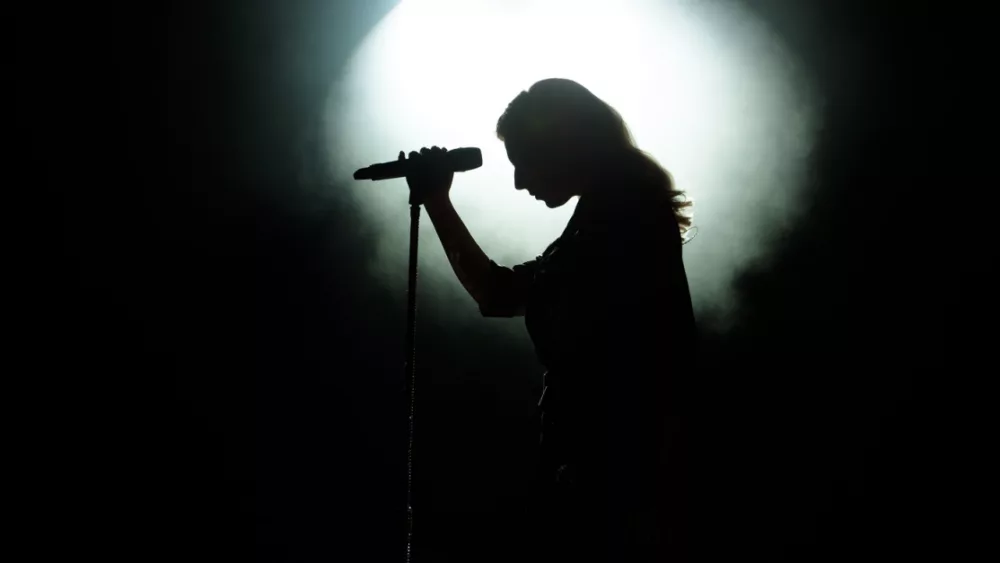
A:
608, 309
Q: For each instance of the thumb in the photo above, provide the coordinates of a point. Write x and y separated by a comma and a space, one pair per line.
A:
402, 155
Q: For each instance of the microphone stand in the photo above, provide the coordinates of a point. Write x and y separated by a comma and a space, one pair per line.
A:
462, 159
410, 366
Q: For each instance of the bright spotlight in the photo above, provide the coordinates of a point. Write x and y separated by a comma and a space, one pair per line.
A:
704, 86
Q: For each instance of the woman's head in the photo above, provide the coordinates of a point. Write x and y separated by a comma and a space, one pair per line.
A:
565, 141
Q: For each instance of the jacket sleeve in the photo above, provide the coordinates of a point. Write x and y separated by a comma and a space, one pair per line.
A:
508, 290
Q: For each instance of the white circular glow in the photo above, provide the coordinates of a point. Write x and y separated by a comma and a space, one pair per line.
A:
704, 87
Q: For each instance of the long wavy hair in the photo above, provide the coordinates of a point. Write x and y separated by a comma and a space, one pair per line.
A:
570, 119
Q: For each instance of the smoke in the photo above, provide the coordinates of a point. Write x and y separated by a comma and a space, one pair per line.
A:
705, 87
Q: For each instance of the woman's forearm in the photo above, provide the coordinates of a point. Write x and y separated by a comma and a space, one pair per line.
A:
469, 262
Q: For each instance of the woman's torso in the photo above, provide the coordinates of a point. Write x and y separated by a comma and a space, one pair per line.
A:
568, 303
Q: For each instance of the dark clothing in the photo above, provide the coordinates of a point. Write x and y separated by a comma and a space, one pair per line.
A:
608, 309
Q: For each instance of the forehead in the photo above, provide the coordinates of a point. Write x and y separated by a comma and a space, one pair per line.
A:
518, 153
529, 151
514, 154
539, 153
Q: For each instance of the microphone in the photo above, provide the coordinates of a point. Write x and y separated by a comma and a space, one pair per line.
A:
455, 160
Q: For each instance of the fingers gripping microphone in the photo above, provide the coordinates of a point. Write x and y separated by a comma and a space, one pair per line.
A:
455, 160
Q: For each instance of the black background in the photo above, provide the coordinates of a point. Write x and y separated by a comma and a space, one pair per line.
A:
239, 379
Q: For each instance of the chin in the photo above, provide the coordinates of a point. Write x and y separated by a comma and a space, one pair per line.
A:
553, 203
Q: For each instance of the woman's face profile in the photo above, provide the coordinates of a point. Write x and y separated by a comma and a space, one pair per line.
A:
544, 177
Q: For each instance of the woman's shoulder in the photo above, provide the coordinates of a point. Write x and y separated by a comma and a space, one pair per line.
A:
636, 211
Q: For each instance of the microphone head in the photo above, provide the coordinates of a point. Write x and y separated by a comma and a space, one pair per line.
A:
466, 158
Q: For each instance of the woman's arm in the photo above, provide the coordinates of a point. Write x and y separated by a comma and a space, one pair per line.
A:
499, 291
469, 262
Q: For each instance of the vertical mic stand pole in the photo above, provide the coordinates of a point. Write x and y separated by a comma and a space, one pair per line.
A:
411, 354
